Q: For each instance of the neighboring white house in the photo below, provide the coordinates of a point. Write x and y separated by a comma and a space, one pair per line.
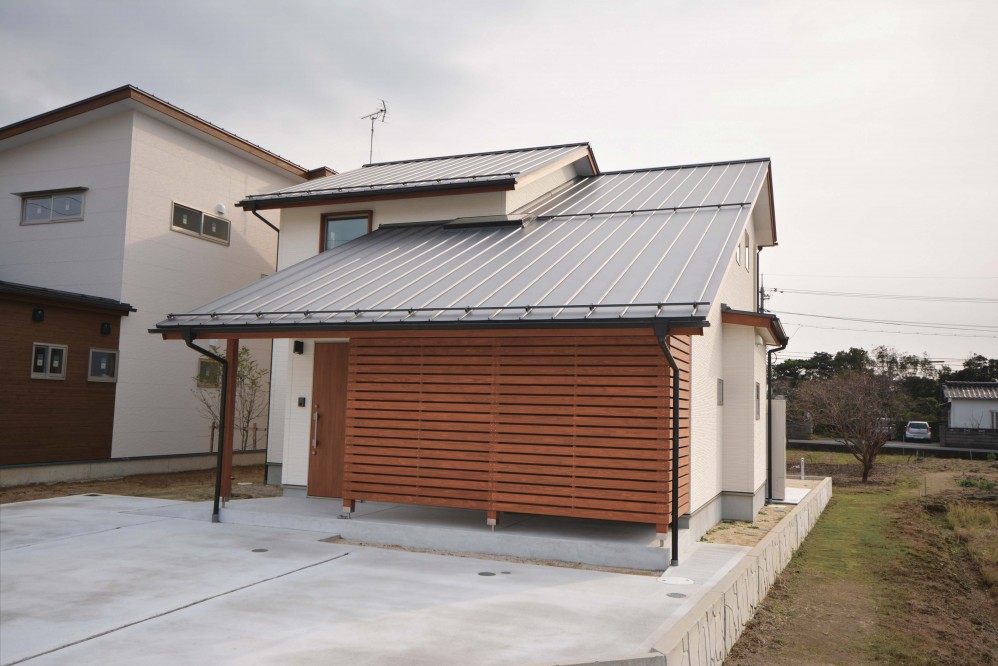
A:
972, 405
504, 248
125, 197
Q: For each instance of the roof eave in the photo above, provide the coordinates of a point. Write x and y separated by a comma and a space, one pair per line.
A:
679, 325
264, 202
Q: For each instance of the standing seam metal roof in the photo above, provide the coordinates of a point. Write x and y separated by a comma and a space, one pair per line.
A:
582, 260
472, 169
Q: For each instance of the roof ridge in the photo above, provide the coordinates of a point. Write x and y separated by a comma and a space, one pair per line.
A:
478, 154
682, 166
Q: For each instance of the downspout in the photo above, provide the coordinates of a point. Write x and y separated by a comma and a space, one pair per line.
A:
277, 258
661, 336
769, 419
189, 336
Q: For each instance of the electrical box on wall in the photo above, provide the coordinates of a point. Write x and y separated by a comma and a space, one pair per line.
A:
301, 402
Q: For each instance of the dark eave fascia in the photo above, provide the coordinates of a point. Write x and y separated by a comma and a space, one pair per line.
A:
764, 320
266, 202
29, 293
129, 92
687, 325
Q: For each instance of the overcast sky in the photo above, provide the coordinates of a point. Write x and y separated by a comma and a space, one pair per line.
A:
881, 118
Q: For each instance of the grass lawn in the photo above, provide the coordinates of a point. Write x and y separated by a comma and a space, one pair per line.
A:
899, 571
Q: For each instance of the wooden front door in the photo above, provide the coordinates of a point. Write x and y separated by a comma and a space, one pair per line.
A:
328, 432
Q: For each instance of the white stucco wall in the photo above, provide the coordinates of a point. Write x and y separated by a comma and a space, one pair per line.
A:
165, 271
84, 257
716, 356
300, 227
972, 413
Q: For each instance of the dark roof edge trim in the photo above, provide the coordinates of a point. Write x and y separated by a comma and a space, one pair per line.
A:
761, 319
130, 92
687, 166
584, 144
274, 201
60, 296
290, 329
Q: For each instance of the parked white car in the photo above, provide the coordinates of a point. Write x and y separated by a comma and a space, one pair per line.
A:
918, 430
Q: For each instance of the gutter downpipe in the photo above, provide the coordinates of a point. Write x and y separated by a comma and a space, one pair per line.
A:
277, 258
661, 336
189, 336
769, 418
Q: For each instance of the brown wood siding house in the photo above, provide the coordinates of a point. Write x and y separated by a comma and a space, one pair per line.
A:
510, 364
67, 414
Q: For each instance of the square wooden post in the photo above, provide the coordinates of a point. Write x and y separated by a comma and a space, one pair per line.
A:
232, 369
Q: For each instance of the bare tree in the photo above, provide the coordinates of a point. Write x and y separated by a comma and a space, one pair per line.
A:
854, 406
251, 392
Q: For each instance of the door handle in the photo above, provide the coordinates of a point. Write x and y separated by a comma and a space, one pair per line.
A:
315, 427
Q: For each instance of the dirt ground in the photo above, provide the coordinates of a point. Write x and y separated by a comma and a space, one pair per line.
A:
190, 486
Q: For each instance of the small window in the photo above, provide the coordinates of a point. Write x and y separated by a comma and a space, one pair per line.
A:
103, 365
720, 392
758, 402
209, 373
49, 361
195, 223
45, 207
340, 229
748, 250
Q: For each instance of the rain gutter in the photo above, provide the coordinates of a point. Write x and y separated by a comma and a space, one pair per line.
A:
189, 336
661, 334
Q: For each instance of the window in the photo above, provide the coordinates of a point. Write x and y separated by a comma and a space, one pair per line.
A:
55, 206
49, 361
342, 228
195, 223
748, 250
103, 365
209, 373
758, 402
720, 392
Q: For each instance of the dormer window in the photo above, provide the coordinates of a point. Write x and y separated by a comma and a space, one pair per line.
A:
341, 228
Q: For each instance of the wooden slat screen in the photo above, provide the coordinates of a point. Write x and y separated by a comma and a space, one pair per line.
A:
567, 423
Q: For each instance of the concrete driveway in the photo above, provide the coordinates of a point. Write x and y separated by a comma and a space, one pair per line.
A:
105, 580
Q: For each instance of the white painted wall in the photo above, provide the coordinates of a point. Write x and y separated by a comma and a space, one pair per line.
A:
972, 413
300, 227
716, 356
165, 271
84, 257
136, 163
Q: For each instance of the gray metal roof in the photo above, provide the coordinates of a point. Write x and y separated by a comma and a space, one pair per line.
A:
726, 183
644, 245
494, 168
971, 390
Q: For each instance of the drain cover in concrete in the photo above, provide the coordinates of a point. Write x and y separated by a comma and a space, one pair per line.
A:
486, 573
259, 550
675, 580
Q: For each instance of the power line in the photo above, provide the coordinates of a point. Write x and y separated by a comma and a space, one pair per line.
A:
871, 330
886, 277
962, 327
896, 297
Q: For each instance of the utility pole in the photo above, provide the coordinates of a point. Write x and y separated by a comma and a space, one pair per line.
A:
377, 115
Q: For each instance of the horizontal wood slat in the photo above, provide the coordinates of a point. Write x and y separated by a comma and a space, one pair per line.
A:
569, 423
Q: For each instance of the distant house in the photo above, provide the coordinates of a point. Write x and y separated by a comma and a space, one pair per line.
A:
518, 331
120, 204
972, 405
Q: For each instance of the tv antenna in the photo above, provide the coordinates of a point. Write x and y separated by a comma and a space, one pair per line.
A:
377, 115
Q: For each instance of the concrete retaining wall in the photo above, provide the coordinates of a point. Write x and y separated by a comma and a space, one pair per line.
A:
705, 635
20, 475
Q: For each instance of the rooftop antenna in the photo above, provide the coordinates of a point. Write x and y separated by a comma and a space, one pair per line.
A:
377, 115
